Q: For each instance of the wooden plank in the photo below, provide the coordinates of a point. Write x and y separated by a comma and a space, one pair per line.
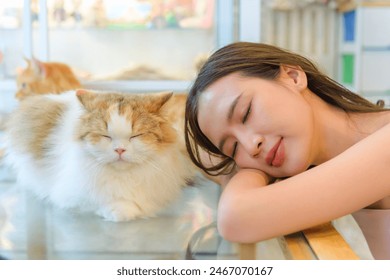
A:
328, 244
295, 247
322, 242
247, 251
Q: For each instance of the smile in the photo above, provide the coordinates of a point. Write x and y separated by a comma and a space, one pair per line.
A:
275, 156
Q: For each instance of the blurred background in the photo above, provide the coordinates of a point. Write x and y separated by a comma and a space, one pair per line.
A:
164, 41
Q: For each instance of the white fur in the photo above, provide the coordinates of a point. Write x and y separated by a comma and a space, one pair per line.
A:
90, 177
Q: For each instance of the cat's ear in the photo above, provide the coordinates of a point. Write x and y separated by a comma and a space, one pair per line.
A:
38, 67
86, 98
159, 100
27, 61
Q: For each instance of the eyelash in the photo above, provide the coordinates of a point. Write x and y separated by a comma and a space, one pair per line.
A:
247, 113
234, 150
137, 135
110, 138
244, 119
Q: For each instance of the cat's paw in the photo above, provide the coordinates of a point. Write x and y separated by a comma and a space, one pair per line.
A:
120, 212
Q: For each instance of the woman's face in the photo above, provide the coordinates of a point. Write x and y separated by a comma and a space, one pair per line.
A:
262, 124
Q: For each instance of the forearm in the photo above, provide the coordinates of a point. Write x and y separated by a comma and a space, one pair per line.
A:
233, 211
250, 210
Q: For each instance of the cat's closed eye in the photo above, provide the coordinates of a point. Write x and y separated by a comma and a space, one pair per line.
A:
136, 135
106, 136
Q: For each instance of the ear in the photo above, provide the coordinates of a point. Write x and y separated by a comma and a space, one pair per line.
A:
86, 98
27, 61
38, 67
293, 75
158, 101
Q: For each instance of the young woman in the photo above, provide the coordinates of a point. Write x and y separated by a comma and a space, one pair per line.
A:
257, 113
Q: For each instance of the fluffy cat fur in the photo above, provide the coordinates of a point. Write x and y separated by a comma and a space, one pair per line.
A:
45, 77
119, 155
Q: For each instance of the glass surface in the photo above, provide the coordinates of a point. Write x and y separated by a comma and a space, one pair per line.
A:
33, 229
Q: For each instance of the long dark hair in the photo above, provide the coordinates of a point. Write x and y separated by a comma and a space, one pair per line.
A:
262, 61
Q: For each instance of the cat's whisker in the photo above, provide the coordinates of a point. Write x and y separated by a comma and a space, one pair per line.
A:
160, 170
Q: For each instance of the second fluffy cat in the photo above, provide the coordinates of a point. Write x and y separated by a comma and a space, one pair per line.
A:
119, 155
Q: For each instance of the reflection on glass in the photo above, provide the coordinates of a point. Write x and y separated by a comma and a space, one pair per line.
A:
132, 39
140, 14
113, 39
10, 36
11, 14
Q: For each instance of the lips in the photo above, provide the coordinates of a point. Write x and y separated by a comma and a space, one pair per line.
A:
275, 156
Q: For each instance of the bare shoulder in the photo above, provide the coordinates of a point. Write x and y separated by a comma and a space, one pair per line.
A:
375, 147
356, 178
350, 181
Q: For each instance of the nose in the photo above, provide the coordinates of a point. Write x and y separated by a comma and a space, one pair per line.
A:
252, 144
120, 151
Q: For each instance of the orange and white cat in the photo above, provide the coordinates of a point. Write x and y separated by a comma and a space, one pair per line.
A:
119, 155
45, 77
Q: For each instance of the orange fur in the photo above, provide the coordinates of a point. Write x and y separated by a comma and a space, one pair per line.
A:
162, 114
151, 113
45, 77
32, 124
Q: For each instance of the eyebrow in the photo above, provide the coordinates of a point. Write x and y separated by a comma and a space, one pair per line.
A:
233, 107
229, 117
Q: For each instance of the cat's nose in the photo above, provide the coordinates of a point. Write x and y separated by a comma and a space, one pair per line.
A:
120, 151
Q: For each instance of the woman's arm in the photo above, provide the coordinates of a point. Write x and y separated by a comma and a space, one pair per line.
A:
250, 211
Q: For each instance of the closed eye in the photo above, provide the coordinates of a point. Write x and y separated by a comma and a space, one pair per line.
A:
137, 135
234, 150
248, 111
106, 136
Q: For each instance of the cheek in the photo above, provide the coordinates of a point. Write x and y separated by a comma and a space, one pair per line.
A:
99, 147
136, 151
243, 160
143, 145
299, 157
138, 147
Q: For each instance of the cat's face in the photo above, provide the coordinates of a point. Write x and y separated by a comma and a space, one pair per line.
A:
42, 78
124, 129
25, 81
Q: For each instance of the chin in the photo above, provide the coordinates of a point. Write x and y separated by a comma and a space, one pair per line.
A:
120, 164
297, 168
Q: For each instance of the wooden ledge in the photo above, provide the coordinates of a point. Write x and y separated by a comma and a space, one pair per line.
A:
327, 243
322, 242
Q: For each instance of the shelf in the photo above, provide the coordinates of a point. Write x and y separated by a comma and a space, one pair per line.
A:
9, 85
139, 86
376, 48
364, 50
8, 88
